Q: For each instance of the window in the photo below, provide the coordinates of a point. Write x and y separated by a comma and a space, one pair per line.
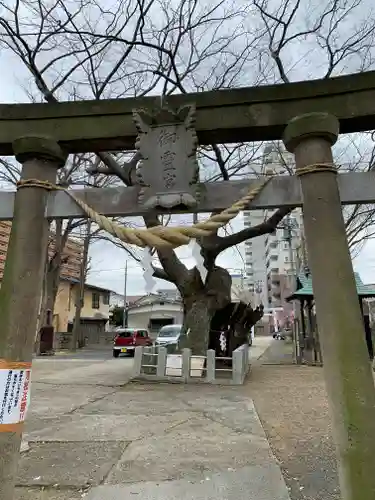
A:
142, 333
95, 300
125, 334
106, 299
286, 259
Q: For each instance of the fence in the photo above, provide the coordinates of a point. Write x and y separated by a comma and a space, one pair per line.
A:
155, 363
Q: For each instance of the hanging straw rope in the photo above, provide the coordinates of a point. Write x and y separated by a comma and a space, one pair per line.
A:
158, 236
164, 236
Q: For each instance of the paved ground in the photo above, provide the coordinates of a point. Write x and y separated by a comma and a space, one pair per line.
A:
292, 404
280, 352
86, 354
93, 435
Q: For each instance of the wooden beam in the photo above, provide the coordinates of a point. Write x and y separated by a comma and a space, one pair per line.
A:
122, 201
223, 116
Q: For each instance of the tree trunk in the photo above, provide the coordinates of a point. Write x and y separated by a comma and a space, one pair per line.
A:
200, 304
76, 333
197, 321
50, 289
52, 276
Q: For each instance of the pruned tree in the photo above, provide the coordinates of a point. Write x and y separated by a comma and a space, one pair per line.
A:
76, 50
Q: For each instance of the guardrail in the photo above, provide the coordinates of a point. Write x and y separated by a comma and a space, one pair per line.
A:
157, 364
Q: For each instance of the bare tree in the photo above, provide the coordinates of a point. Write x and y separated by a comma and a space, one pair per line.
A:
336, 37
80, 50
80, 294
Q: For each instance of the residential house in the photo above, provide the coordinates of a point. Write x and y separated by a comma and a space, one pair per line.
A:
154, 311
72, 254
94, 314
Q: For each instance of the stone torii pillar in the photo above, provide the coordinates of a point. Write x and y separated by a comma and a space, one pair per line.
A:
347, 370
20, 296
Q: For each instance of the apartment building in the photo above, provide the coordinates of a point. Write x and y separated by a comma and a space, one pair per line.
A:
280, 256
270, 260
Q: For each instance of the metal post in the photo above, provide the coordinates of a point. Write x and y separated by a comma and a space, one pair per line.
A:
22, 284
293, 270
125, 317
347, 370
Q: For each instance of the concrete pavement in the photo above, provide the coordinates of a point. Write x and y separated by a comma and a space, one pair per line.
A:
259, 347
92, 435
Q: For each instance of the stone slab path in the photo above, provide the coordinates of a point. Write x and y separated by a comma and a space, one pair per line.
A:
98, 439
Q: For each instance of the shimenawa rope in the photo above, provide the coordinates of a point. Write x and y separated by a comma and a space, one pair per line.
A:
164, 236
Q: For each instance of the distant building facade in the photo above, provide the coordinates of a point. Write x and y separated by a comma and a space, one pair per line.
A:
270, 260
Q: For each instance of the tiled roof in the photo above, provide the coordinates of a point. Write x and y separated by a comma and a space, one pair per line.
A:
305, 288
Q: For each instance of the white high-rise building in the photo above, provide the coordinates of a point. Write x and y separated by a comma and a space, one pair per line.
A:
271, 259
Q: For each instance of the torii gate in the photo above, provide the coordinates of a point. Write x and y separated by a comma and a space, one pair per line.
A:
307, 116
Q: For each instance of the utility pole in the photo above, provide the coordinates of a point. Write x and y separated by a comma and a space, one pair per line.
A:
289, 238
20, 296
125, 314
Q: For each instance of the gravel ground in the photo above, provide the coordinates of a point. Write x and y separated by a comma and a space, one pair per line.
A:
292, 404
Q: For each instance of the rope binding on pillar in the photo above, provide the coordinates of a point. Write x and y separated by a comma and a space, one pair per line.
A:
315, 168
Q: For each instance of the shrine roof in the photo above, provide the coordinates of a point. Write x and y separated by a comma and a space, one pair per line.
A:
305, 288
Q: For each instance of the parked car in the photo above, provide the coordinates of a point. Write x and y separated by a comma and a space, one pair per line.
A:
127, 339
168, 335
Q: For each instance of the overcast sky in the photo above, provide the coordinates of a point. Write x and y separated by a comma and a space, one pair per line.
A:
108, 262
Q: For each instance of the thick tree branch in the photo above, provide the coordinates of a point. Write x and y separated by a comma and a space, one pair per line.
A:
266, 227
125, 172
173, 267
174, 270
221, 162
162, 275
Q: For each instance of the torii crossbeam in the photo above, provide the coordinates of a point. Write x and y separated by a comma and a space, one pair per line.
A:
223, 116
308, 116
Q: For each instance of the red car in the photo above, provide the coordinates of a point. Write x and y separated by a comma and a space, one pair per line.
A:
127, 339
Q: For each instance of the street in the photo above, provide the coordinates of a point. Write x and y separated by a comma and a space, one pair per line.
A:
87, 353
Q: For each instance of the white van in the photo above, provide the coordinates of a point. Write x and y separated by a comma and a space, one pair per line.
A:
168, 335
